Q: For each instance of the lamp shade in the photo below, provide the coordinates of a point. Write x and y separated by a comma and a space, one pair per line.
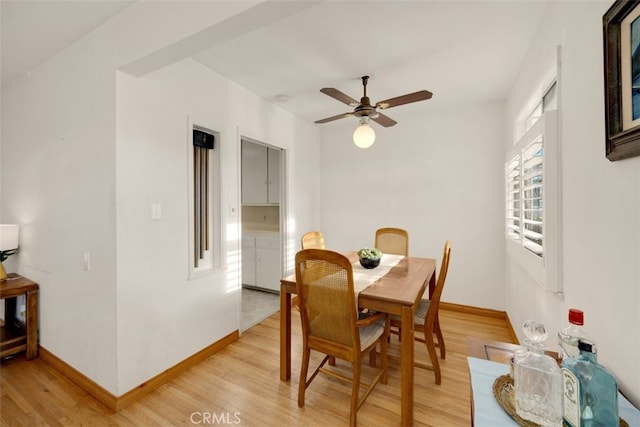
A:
8, 237
364, 136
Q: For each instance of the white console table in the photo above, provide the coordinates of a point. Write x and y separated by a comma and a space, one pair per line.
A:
487, 412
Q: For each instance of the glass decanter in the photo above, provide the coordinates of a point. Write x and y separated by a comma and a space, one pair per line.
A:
537, 380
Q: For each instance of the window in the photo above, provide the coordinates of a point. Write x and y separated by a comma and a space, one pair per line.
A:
524, 180
204, 200
532, 195
534, 116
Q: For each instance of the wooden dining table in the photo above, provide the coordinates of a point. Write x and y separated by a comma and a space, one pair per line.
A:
397, 292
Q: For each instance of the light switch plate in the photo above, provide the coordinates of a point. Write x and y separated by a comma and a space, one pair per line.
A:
156, 211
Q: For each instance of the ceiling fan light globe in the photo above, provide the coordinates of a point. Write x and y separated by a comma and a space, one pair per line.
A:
364, 136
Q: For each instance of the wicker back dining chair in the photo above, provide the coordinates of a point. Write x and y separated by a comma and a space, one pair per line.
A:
312, 240
392, 241
426, 319
330, 325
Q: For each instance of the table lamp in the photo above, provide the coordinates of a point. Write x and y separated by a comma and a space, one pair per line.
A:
8, 244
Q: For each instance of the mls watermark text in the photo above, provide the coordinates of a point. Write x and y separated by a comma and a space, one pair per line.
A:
215, 418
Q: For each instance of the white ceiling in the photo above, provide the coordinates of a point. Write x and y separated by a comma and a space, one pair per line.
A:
35, 31
462, 51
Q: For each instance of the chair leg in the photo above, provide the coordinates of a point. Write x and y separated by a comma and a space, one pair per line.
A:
438, 333
431, 349
302, 385
384, 361
355, 392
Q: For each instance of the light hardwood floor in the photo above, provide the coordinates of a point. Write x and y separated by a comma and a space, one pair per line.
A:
240, 386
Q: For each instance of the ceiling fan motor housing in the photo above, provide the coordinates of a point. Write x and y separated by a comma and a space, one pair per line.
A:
365, 108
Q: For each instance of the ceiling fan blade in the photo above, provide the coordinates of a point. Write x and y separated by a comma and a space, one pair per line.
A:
340, 96
404, 99
383, 120
332, 118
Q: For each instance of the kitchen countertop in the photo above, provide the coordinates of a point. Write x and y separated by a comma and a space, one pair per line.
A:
261, 230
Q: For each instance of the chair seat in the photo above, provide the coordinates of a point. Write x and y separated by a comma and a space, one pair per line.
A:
419, 317
369, 334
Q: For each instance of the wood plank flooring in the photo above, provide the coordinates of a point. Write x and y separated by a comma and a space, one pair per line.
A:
240, 386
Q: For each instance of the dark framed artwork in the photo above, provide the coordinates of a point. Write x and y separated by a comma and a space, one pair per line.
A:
621, 31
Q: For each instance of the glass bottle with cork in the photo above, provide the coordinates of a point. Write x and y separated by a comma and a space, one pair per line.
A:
537, 380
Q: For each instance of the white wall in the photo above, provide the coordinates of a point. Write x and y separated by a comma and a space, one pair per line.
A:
438, 174
58, 168
163, 317
601, 201
85, 151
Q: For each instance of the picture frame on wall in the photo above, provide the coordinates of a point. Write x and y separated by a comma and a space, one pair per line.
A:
621, 31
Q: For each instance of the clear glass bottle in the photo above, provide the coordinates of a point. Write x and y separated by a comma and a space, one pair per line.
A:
569, 336
537, 380
590, 394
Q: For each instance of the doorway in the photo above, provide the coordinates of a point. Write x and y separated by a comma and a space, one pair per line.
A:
262, 224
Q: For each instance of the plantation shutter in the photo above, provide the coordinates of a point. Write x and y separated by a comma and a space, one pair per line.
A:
532, 189
524, 219
512, 175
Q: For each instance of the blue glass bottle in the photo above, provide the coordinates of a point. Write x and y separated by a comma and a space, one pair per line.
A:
590, 392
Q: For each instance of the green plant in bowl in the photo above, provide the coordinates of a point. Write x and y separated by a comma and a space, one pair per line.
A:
369, 257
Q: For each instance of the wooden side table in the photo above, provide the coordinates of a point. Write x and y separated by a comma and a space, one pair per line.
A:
498, 351
15, 336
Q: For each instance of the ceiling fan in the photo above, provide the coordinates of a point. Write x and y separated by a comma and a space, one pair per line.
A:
365, 110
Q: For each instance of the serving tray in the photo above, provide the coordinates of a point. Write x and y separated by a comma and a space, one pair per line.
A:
503, 391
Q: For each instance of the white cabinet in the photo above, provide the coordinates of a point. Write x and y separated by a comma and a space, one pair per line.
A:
273, 176
248, 259
261, 266
260, 174
268, 271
